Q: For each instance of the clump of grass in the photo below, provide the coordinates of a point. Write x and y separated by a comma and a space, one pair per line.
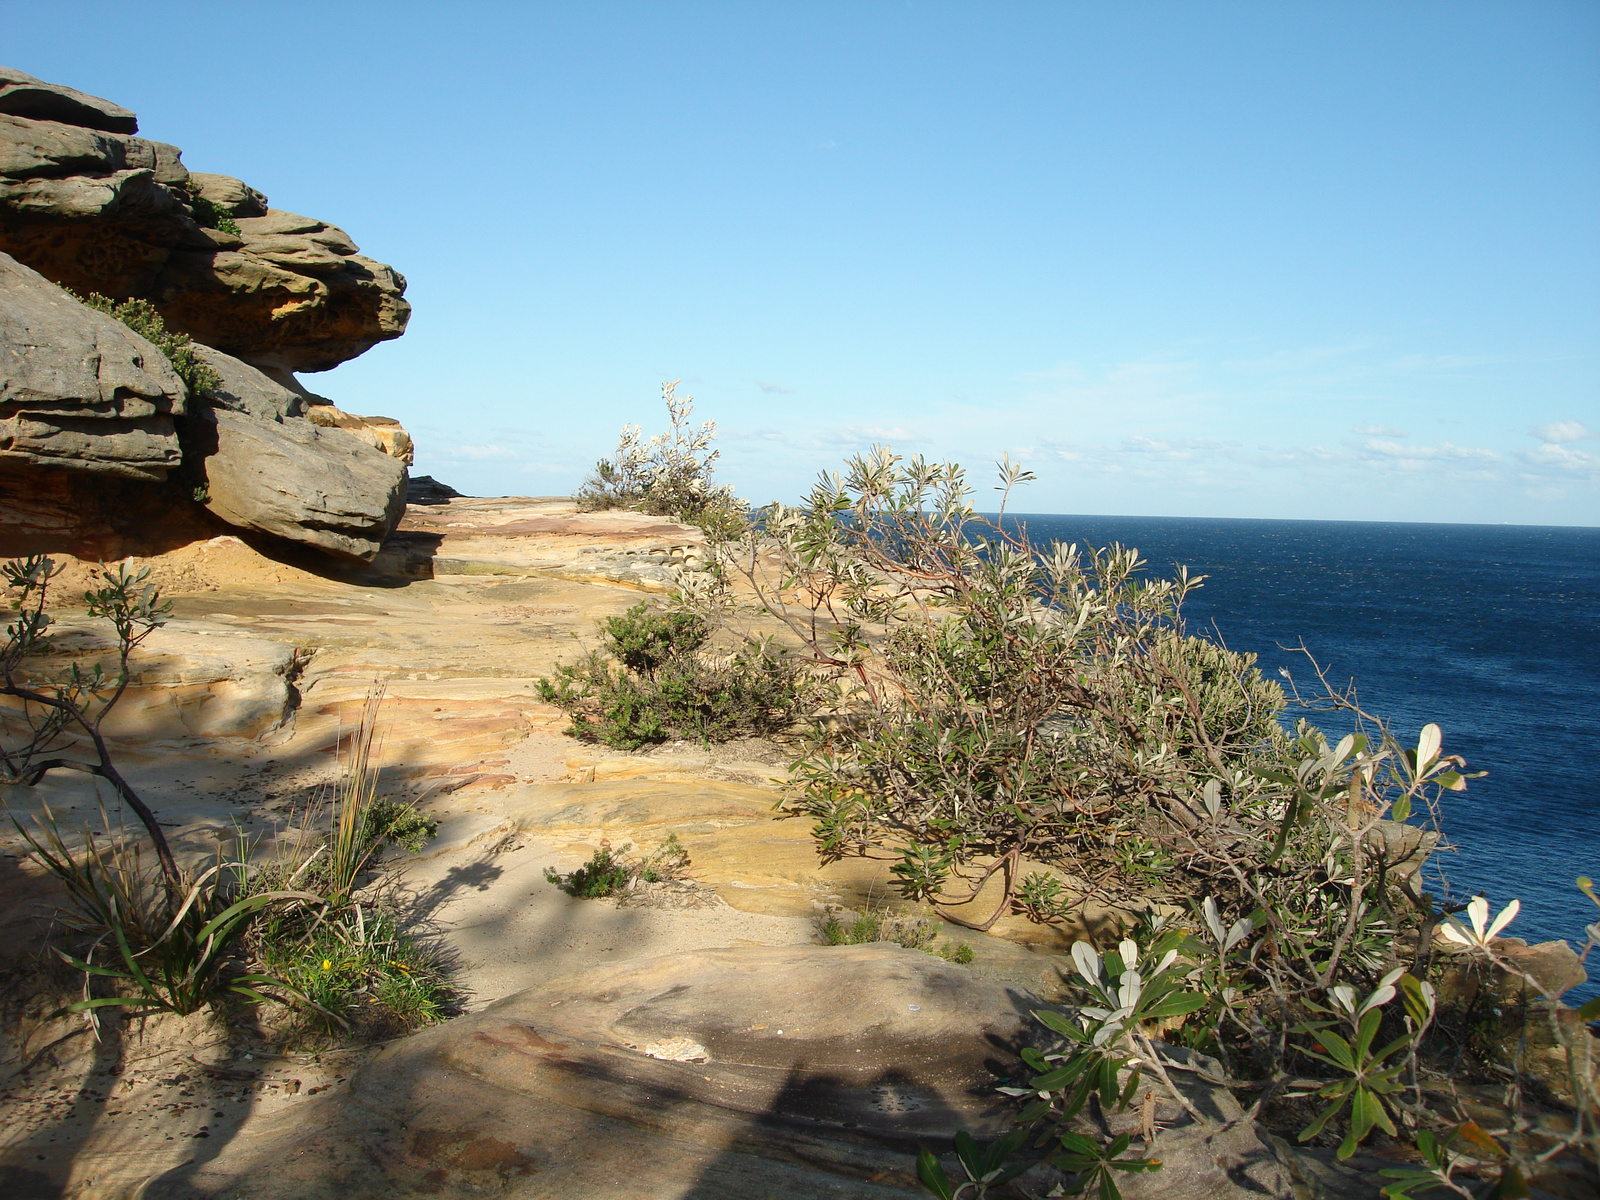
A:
611, 872
883, 925
360, 969
355, 963
165, 945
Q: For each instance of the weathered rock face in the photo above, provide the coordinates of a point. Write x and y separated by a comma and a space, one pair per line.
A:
381, 433
86, 204
290, 292
90, 206
79, 390
262, 465
24, 96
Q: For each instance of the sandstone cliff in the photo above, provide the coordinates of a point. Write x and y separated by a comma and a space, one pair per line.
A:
90, 206
87, 205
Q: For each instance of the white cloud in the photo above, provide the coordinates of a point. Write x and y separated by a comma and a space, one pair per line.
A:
1562, 431
1379, 450
775, 387
473, 453
831, 437
1564, 459
1379, 431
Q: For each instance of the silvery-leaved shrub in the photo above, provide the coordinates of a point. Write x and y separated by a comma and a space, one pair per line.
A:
1033, 728
670, 474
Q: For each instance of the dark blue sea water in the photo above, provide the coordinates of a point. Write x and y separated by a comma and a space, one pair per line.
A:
1492, 631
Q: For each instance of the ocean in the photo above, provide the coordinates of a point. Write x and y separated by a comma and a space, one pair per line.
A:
1491, 631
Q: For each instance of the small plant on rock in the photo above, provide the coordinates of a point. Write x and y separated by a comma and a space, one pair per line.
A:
208, 214
881, 924
358, 968
611, 872
178, 348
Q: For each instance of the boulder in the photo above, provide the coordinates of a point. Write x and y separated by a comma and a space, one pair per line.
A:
299, 302
192, 680
425, 489
381, 433
235, 195
92, 207
259, 464
78, 389
30, 148
92, 210
24, 96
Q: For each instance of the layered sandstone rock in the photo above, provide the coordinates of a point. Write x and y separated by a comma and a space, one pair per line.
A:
79, 390
262, 465
87, 204
91, 206
24, 96
801, 1071
381, 433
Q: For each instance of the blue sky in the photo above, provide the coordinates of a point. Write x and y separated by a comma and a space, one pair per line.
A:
1334, 260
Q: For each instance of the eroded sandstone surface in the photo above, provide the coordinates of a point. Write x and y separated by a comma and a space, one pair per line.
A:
235, 719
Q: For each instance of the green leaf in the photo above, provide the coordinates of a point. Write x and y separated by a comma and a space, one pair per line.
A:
104, 1002
1338, 1049
1411, 993
79, 964
1364, 1111
1322, 1118
969, 1154
1133, 1165
1180, 1005
1365, 1032
1076, 1143
1059, 1023
1061, 1076
1399, 1043
1591, 1010
1401, 809
932, 1175
1002, 1149
1128, 1089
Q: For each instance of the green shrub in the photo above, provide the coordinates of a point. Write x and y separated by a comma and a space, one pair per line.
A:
653, 681
208, 214
395, 823
1009, 703
55, 726
178, 348
611, 872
